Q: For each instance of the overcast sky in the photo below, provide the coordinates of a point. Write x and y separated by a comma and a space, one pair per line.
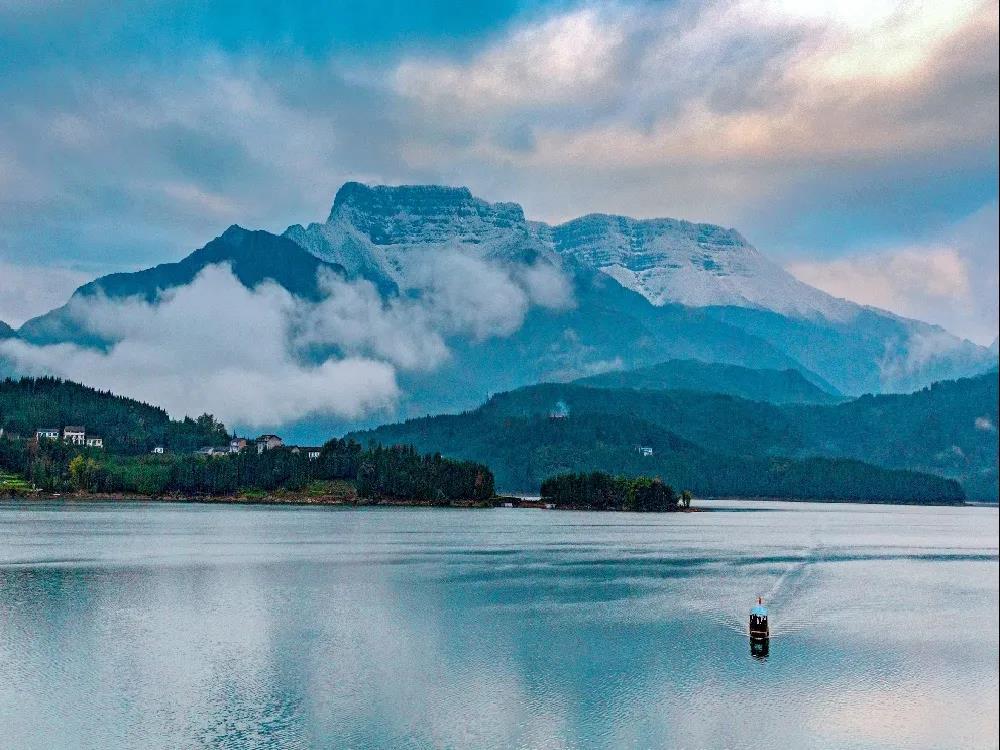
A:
853, 141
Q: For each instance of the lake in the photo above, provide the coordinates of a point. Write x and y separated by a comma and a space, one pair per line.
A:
189, 626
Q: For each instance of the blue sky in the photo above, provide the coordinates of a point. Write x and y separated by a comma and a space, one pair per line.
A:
854, 142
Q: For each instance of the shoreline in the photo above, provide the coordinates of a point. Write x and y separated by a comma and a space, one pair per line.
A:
499, 502
284, 498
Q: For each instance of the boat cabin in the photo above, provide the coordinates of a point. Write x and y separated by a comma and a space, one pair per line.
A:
758, 622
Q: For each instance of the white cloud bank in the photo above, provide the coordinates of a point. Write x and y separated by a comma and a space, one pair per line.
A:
212, 346
263, 357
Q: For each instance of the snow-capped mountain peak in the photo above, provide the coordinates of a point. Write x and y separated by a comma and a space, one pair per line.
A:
382, 232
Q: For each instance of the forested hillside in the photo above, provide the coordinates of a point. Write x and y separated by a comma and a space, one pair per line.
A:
524, 451
377, 473
722, 444
775, 386
126, 425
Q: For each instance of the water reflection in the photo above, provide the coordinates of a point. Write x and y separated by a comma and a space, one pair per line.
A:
760, 648
195, 626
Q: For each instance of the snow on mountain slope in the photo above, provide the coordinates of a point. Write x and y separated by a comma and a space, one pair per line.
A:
698, 265
384, 234
391, 234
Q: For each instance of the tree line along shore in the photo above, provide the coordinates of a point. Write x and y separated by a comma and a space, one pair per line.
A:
145, 454
344, 473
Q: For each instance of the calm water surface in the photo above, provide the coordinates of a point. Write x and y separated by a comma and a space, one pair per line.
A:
190, 626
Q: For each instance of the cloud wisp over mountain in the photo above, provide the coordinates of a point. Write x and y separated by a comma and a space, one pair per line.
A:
822, 130
263, 356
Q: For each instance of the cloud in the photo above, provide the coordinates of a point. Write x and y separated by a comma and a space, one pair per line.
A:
710, 84
212, 346
263, 357
27, 291
355, 318
893, 280
466, 295
556, 62
146, 161
952, 281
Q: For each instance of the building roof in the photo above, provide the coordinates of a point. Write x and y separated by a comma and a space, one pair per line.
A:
74, 428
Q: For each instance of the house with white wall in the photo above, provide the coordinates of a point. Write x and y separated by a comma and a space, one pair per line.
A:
75, 435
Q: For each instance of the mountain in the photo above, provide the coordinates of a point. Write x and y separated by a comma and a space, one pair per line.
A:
775, 386
5, 330
699, 265
637, 293
387, 233
254, 256
391, 232
949, 429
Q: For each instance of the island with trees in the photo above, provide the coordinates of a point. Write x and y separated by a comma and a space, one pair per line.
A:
597, 490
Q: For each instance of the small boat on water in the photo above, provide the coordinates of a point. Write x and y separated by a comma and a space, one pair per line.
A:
758, 622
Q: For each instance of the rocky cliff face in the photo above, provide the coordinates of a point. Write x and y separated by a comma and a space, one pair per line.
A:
383, 233
380, 232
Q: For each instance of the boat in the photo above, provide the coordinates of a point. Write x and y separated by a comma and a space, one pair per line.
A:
758, 622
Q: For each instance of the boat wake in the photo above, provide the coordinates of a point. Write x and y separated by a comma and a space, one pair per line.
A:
787, 597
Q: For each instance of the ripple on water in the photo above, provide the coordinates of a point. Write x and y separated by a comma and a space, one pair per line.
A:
235, 627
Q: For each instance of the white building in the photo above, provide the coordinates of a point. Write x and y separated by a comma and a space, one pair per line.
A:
214, 450
267, 442
158, 449
75, 435
95, 442
47, 433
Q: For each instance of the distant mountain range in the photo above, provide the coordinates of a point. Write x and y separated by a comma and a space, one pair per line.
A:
5, 330
721, 444
775, 386
643, 292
